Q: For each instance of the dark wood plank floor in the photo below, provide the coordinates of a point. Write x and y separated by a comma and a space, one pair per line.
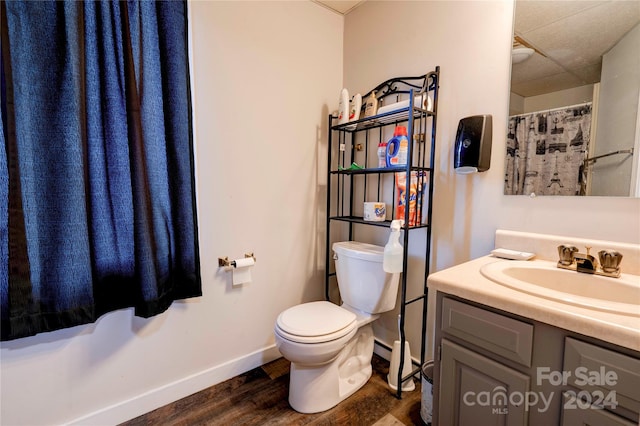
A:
259, 397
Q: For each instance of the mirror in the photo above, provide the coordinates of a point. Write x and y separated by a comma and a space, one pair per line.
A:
574, 120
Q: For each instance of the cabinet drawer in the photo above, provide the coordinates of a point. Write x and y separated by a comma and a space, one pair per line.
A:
504, 336
578, 415
593, 368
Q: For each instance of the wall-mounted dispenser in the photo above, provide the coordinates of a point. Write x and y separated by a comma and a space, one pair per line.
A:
473, 144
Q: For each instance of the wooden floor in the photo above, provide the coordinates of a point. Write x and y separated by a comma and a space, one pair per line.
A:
259, 397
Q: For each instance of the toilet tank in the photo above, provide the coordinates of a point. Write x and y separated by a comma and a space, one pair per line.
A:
362, 282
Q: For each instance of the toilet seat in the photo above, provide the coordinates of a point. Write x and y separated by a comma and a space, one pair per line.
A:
315, 322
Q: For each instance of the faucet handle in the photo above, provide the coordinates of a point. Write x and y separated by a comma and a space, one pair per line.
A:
565, 253
610, 260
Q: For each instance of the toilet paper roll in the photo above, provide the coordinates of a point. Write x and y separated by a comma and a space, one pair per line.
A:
242, 271
423, 101
244, 262
375, 211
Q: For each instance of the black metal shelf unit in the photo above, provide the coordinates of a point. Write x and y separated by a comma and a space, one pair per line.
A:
354, 142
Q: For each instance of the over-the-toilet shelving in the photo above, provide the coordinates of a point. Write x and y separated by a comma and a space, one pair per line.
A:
349, 185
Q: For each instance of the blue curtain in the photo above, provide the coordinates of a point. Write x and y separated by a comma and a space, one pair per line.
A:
96, 178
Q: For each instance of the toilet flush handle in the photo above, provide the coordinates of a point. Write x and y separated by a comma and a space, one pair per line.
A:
335, 256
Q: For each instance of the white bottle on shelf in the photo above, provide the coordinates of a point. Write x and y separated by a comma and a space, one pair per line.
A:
343, 107
371, 105
393, 253
382, 154
354, 110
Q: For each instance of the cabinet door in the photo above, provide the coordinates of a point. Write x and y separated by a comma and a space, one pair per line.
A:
573, 415
475, 390
596, 369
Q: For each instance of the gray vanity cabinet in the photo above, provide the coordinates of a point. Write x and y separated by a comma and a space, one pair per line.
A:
496, 368
475, 388
468, 387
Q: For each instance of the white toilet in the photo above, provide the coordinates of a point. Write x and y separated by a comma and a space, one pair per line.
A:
329, 346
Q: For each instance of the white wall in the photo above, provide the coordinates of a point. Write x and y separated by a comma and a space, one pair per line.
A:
617, 115
471, 41
516, 104
264, 77
561, 98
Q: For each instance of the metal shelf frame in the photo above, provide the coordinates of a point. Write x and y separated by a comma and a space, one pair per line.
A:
341, 201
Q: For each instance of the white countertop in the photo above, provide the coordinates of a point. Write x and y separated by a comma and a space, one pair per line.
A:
466, 281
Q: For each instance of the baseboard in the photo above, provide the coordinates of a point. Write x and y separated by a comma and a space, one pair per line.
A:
156, 398
382, 350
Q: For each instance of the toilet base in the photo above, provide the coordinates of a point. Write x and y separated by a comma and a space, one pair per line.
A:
313, 389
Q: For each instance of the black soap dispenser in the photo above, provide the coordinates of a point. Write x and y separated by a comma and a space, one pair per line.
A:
473, 144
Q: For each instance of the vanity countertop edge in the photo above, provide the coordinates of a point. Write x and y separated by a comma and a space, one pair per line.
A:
466, 281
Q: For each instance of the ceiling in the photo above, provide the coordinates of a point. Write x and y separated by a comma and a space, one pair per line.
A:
341, 6
570, 38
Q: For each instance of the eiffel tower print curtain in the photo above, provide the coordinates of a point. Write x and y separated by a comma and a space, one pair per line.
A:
546, 151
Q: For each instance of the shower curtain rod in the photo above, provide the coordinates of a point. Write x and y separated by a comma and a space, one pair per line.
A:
620, 151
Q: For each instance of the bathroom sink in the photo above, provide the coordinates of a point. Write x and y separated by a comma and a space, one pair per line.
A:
544, 279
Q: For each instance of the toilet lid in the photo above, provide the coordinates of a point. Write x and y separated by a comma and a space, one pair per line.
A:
358, 250
316, 321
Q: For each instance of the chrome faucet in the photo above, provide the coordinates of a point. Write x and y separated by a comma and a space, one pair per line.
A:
609, 264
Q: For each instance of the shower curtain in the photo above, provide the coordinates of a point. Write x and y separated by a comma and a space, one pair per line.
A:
546, 151
96, 174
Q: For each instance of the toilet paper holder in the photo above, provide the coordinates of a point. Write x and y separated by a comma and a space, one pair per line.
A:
224, 261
